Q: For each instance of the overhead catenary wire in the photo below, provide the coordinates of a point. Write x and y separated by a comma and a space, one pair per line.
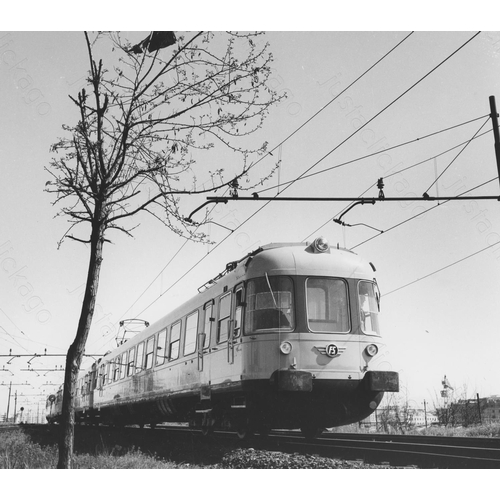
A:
332, 100
364, 157
396, 172
457, 197
458, 154
443, 268
380, 112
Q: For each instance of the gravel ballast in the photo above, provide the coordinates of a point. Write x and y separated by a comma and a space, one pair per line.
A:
257, 459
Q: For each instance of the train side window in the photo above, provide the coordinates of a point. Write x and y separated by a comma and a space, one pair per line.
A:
109, 372
116, 368
150, 349
101, 376
161, 348
208, 323
93, 378
139, 360
224, 313
368, 308
175, 338
123, 365
106, 375
191, 332
131, 365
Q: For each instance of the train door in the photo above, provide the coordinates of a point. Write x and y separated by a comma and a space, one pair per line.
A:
235, 325
205, 337
223, 351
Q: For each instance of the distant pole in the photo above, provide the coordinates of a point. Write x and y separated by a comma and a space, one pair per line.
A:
8, 403
15, 406
425, 412
479, 407
496, 133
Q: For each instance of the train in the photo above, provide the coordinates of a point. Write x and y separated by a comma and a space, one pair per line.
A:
286, 337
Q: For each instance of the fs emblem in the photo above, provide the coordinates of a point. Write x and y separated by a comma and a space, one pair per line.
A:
331, 350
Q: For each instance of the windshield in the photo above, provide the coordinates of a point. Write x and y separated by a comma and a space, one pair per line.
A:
269, 304
327, 309
368, 308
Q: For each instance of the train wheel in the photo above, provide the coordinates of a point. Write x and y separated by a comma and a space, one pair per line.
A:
311, 431
206, 431
244, 432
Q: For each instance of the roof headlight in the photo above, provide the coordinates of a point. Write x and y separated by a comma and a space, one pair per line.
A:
321, 245
286, 347
371, 350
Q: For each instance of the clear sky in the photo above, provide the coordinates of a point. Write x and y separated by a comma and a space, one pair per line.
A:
446, 323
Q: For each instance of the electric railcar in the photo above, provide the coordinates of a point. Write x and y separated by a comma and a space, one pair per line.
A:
286, 337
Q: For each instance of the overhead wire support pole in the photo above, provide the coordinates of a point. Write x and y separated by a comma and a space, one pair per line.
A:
496, 133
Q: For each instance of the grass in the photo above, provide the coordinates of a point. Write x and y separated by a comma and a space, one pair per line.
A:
17, 451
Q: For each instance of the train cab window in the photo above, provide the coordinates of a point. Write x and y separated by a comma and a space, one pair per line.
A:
368, 308
175, 338
150, 349
223, 319
139, 361
269, 304
161, 348
327, 305
131, 364
191, 332
208, 323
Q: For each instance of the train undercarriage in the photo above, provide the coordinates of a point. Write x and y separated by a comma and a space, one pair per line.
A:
288, 400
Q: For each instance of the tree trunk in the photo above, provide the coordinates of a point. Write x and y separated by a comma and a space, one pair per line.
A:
77, 349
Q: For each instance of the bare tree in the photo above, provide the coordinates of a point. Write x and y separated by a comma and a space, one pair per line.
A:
146, 120
397, 416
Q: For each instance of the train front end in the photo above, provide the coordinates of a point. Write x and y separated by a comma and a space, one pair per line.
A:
313, 356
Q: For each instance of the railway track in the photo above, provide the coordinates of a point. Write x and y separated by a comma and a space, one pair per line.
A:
184, 444
400, 450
